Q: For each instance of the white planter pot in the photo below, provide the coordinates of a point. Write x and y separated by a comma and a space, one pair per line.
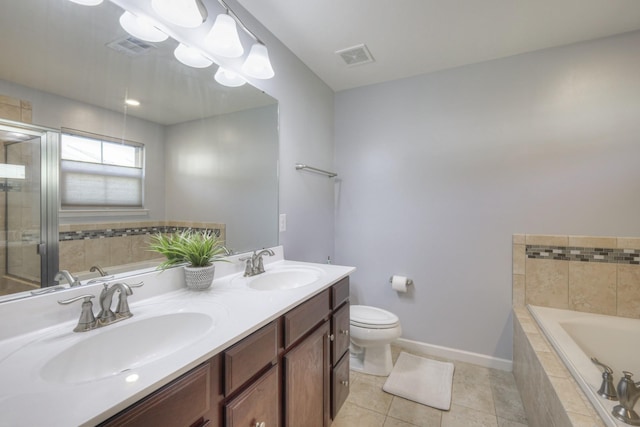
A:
199, 278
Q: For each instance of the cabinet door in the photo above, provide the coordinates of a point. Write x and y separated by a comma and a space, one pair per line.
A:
306, 381
340, 331
191, 400
258, 404
339, 385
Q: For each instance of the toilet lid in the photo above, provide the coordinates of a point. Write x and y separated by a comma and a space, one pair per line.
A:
363, 315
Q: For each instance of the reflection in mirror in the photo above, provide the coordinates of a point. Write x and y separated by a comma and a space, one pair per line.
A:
210, 152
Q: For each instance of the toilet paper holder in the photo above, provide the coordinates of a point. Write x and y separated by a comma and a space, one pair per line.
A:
409, 281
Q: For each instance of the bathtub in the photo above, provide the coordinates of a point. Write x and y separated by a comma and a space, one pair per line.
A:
577, 336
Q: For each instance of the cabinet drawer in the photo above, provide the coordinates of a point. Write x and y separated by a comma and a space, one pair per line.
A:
179, 404
339, 385
248, 357
340, 293
257, 404
303, 318
340, 331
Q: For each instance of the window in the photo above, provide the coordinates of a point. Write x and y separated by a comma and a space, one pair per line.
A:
100, 172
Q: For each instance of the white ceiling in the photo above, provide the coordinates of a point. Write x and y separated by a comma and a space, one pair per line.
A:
57, 46
411, 37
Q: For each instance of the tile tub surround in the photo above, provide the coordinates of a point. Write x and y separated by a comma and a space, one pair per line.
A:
581, 273
590, 274
550, 396
117, 243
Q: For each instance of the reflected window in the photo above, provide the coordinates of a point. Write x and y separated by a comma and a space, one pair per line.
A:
99, 172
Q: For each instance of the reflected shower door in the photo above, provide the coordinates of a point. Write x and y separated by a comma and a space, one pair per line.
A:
22, 210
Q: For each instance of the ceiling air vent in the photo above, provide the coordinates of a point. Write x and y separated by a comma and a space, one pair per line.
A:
356, 55
130, 46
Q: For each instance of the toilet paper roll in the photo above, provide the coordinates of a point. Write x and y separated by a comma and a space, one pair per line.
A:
399, 283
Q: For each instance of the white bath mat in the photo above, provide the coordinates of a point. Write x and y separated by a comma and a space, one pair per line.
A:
421, 380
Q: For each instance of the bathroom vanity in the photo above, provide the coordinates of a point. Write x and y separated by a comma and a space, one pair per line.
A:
269, 358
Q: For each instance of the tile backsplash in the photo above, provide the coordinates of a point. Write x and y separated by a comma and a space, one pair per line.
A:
114, 244
582, 273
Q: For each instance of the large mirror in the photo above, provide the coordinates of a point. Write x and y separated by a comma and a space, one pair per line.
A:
208, 153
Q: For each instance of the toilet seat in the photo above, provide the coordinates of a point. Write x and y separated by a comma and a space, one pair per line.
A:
372, 317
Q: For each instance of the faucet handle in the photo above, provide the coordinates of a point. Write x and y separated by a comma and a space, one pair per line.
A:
602, 365
87, 320
607, 389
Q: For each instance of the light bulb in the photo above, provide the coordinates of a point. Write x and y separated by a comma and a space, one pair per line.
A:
141, 27
191, 57
87, 2
184, 13
223, 38
228, 78
257, 63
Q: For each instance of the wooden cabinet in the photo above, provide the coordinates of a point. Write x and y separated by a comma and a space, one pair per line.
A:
306, 381
340, 327
293, 372
258, 405
247, 358
193, 400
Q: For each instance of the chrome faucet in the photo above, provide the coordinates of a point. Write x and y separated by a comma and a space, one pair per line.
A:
628, 393
64, 274
254, 264
607, 389
99, 269
106, 316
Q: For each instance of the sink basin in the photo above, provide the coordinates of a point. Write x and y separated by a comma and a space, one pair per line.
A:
133, 343
284, 278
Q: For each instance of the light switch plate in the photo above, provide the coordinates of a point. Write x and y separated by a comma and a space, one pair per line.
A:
282, 223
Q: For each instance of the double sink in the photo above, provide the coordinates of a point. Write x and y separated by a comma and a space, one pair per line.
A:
156, 331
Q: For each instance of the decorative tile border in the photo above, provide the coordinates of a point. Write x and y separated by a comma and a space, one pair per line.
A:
575, 253
129, 231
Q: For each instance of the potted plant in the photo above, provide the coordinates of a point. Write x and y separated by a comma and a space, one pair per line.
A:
198, 250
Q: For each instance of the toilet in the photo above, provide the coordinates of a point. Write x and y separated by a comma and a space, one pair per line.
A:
372, 332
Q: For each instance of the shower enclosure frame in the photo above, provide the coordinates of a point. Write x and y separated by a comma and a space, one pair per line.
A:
48, 247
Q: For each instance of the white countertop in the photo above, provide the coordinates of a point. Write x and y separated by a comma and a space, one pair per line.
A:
36, 329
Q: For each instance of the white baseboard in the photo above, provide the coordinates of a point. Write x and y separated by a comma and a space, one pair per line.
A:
453, 354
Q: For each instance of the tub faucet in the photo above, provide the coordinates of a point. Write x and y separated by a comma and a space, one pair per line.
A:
607, 389
64, 274
628, 393
98, 269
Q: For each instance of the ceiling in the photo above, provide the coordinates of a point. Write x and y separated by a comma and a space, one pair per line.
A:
411, 37
59, 47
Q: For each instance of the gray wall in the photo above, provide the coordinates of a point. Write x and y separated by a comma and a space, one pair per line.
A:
306, 136
224, 169
57, 112
438, 171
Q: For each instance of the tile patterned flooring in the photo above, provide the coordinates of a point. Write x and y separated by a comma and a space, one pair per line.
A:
481, 397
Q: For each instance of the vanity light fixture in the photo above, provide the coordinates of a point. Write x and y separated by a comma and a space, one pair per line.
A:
132, 102
88, 2
184, 13
257, 63
223, 38
141, 27
228, 78
191, 57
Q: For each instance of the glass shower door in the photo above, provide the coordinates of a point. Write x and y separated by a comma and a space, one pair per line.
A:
24, 233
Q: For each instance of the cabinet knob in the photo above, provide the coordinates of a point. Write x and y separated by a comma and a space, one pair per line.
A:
331, 337
344, 331
345, 383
